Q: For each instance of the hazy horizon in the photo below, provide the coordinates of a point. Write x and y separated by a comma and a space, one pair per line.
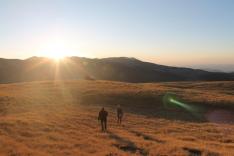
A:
197, 34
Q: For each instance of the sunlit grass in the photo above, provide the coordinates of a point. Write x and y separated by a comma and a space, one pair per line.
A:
60, 117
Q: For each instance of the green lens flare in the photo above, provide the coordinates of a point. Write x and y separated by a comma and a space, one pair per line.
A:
172, 102
183, 105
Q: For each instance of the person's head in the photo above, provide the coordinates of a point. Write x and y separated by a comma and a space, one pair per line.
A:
103, 108
118, 106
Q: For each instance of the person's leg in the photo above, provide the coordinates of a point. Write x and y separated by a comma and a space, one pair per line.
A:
102, 123
105, 125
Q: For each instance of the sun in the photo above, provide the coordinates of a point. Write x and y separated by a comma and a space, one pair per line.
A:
57, 56
56, 51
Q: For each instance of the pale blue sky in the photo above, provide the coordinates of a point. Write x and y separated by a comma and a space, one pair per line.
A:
172, 32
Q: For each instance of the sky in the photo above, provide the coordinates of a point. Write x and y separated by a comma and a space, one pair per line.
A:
190, 33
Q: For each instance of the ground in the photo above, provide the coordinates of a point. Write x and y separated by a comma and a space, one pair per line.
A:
60, 118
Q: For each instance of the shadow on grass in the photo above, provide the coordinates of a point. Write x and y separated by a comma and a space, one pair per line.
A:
127, 145
147, 137
152, 106
193, 152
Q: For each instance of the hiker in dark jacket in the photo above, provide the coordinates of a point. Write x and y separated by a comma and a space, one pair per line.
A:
119, 114
103, 118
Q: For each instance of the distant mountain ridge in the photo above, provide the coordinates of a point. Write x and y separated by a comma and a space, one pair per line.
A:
114, 69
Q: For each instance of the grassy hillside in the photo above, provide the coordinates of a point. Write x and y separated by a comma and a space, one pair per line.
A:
60, 118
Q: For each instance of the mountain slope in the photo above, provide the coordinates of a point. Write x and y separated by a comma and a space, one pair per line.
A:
115, 69
60, 119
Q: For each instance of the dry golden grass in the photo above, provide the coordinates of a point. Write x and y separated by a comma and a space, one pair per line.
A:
60, 118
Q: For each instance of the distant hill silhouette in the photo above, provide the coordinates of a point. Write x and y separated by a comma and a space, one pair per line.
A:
115, 69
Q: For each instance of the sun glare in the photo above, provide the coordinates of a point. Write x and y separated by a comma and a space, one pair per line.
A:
57, 56
55, 50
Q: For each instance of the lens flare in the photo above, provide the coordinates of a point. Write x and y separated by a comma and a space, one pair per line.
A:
181, 104
171, 101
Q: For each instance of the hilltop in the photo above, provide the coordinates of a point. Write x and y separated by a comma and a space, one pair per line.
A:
113, 69
60, 118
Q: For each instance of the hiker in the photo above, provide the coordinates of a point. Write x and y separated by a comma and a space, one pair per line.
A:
119, 114
103, 117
